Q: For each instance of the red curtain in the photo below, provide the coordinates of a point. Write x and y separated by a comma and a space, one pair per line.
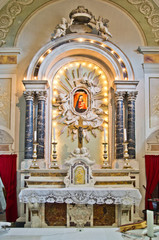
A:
152, 176
9, 179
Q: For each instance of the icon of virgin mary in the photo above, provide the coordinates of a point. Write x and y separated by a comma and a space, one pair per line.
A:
81, 102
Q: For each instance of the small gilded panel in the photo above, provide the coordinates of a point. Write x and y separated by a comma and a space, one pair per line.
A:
103, 215
8, 59
155, 147
79, 175
151, 58
55, 214
4, 148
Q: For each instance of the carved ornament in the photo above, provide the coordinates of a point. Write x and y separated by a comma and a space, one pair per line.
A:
82, 21
80, 214
5, 138
92, 113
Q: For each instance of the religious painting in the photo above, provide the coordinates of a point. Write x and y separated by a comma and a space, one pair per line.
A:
80, 101
80, 175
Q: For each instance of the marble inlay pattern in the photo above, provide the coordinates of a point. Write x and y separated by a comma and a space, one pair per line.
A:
131, 123
29, 95
103, 215
41, 123
55, 214
8, 59
119, 124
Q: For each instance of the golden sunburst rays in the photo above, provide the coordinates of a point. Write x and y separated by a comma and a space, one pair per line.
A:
79, 75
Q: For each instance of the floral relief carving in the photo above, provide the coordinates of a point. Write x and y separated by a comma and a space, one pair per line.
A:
13, 9
4, 104
147, 8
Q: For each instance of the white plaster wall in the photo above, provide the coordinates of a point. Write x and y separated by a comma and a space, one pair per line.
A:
37, 31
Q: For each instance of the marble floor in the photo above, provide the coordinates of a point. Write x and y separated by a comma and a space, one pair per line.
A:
67, 234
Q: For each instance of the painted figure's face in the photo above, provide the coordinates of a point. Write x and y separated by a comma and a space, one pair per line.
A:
81, 98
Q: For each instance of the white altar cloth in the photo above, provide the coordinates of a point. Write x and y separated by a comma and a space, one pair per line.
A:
125, 196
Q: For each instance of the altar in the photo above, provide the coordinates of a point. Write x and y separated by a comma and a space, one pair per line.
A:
80, 167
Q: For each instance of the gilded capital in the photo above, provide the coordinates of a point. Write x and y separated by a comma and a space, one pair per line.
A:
131, 96
29, 95
119, 95
41, 95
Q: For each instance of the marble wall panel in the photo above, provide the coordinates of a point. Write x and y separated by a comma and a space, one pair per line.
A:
154, 102
103, 214
5, 102
55, 214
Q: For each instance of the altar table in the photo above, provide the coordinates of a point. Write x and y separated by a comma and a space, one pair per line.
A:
125, 196
81, 204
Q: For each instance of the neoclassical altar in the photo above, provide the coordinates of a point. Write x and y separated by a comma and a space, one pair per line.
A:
80, 167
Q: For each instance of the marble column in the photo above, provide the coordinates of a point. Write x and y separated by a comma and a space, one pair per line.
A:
131, 97
41, 96
29, 96
119, 96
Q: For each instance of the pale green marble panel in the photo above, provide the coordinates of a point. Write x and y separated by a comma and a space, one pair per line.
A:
154, 101
5, 102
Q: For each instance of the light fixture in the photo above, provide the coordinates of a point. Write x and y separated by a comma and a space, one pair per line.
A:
54, 124
80, 39
49, 50
41, 58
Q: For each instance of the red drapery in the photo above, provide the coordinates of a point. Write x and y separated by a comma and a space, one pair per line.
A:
9, 179
152, 176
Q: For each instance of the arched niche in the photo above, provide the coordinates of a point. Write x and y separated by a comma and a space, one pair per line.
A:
56, 54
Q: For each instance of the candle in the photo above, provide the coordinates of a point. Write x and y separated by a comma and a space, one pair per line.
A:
104, 135
35, 136
125, 135
54, 134
150, 225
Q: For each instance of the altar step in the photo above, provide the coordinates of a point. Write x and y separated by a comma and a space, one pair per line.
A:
102, 178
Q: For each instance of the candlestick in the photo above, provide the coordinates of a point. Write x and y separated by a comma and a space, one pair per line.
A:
125, 135
126, 156
104, 135
54, 133
150, 223
34, 164
105, 156
54, 164
35, 136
